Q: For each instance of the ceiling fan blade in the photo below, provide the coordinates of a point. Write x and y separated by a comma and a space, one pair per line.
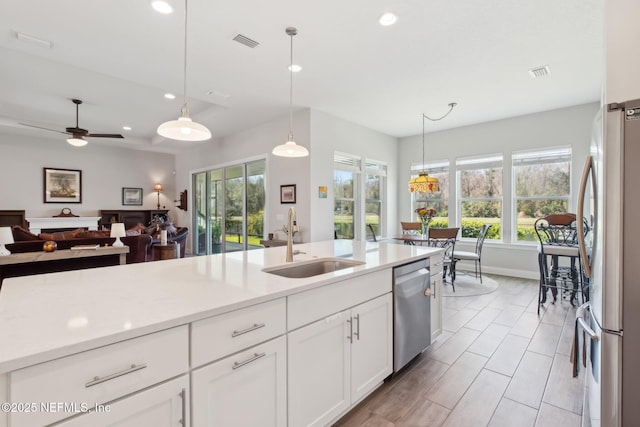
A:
40, 127
104, 135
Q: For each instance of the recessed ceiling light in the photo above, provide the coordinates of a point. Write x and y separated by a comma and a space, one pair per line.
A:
126, 127
294, 68
162, 7
388, 19
169, 96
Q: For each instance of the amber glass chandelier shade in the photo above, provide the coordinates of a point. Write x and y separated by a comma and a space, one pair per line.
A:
424, 183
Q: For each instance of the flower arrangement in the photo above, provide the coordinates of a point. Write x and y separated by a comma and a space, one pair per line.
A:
425, 215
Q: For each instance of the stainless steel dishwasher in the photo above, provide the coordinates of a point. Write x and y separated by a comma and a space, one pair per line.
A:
411, 311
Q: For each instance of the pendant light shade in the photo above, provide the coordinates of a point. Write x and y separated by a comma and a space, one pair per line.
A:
290, 148
184, 129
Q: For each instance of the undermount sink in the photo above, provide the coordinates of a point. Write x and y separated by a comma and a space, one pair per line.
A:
312, 268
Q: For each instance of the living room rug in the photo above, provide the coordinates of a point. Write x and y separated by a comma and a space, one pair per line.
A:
467, 285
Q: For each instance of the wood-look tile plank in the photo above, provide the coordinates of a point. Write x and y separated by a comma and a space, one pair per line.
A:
563, 390
566, 337
481, 301
506, 358
555, 314
479, 402
513, 414
447, 313
552, 416
457, 321
545, 340
456, 303
528, 383
509, 316
484, 318
489, 340
454, 383
526, 325
424, 413
455, 346
438, 342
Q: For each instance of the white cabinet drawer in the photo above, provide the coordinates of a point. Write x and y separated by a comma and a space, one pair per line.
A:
218, 336
435, 264
309, 306
98, 376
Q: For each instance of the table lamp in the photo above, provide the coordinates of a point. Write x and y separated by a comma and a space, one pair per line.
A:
117, 231
6, 238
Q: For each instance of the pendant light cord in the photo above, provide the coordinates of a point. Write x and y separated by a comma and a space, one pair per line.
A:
292, 33
185, 53
423, 116
451, 105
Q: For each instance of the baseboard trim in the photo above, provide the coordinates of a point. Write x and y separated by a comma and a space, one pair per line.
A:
524, 274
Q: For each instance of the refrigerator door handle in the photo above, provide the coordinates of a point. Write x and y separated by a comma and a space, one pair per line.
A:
586, 174
583, 324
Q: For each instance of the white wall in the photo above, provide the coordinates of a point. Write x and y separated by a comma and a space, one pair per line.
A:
105, 170
567, 126
256, 143
329, 134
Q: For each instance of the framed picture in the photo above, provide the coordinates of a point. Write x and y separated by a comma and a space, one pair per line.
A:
131, 196
62, 185
288, 193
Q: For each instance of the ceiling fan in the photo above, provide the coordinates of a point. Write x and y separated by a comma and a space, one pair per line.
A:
77, 133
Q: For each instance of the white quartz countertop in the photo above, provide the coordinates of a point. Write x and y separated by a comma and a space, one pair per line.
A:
53, 315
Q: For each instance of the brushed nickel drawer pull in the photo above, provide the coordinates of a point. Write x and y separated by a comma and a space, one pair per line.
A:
357, 334
183, 398
255, 357
249, 329
98, 380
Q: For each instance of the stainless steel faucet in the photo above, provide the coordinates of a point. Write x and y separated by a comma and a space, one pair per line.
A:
292, 227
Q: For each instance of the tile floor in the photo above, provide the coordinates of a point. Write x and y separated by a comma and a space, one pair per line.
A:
496, 364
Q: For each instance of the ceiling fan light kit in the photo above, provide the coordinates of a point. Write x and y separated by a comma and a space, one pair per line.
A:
77, 141
290, 148
184, 129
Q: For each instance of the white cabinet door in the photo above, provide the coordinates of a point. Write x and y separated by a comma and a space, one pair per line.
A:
244, 390
319, 371
372, 348
165, 405
436, 306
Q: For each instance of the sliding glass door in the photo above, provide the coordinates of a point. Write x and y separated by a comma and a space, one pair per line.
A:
229, 208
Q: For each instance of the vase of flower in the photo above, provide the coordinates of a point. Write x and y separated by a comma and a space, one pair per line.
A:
425, 215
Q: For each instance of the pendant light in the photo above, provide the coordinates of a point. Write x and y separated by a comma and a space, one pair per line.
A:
424, 183
290, 148
184, 129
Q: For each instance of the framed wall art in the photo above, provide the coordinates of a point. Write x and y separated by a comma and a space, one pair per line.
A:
131, 196
62, 185
288, 193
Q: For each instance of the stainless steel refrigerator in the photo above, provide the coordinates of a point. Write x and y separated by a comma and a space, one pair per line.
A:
610, 199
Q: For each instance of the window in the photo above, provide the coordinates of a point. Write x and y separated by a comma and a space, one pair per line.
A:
541, 186
480, 195
375, 184
345, 182
438, 200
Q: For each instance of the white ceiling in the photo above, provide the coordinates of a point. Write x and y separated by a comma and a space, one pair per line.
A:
120, 57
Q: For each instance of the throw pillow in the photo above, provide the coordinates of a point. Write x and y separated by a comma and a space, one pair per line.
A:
90, 234
21, 234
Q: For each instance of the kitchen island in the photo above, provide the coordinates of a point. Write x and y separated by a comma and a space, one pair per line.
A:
171, 317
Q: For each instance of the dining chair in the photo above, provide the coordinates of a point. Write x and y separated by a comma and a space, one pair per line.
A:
411, 228
445, 238
558, 237
475, 256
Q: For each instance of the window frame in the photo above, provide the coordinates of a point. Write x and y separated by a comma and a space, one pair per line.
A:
375, 168
349, 163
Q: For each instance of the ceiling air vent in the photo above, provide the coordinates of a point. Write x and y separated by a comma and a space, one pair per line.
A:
539, 72
246, 41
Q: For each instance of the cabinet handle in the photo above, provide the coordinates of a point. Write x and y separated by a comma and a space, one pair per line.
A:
350, 337
249, 329
357, 334
434, 286
183, 397
253, 358
98, 380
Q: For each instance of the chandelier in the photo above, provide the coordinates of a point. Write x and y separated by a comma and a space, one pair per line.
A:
424, 183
